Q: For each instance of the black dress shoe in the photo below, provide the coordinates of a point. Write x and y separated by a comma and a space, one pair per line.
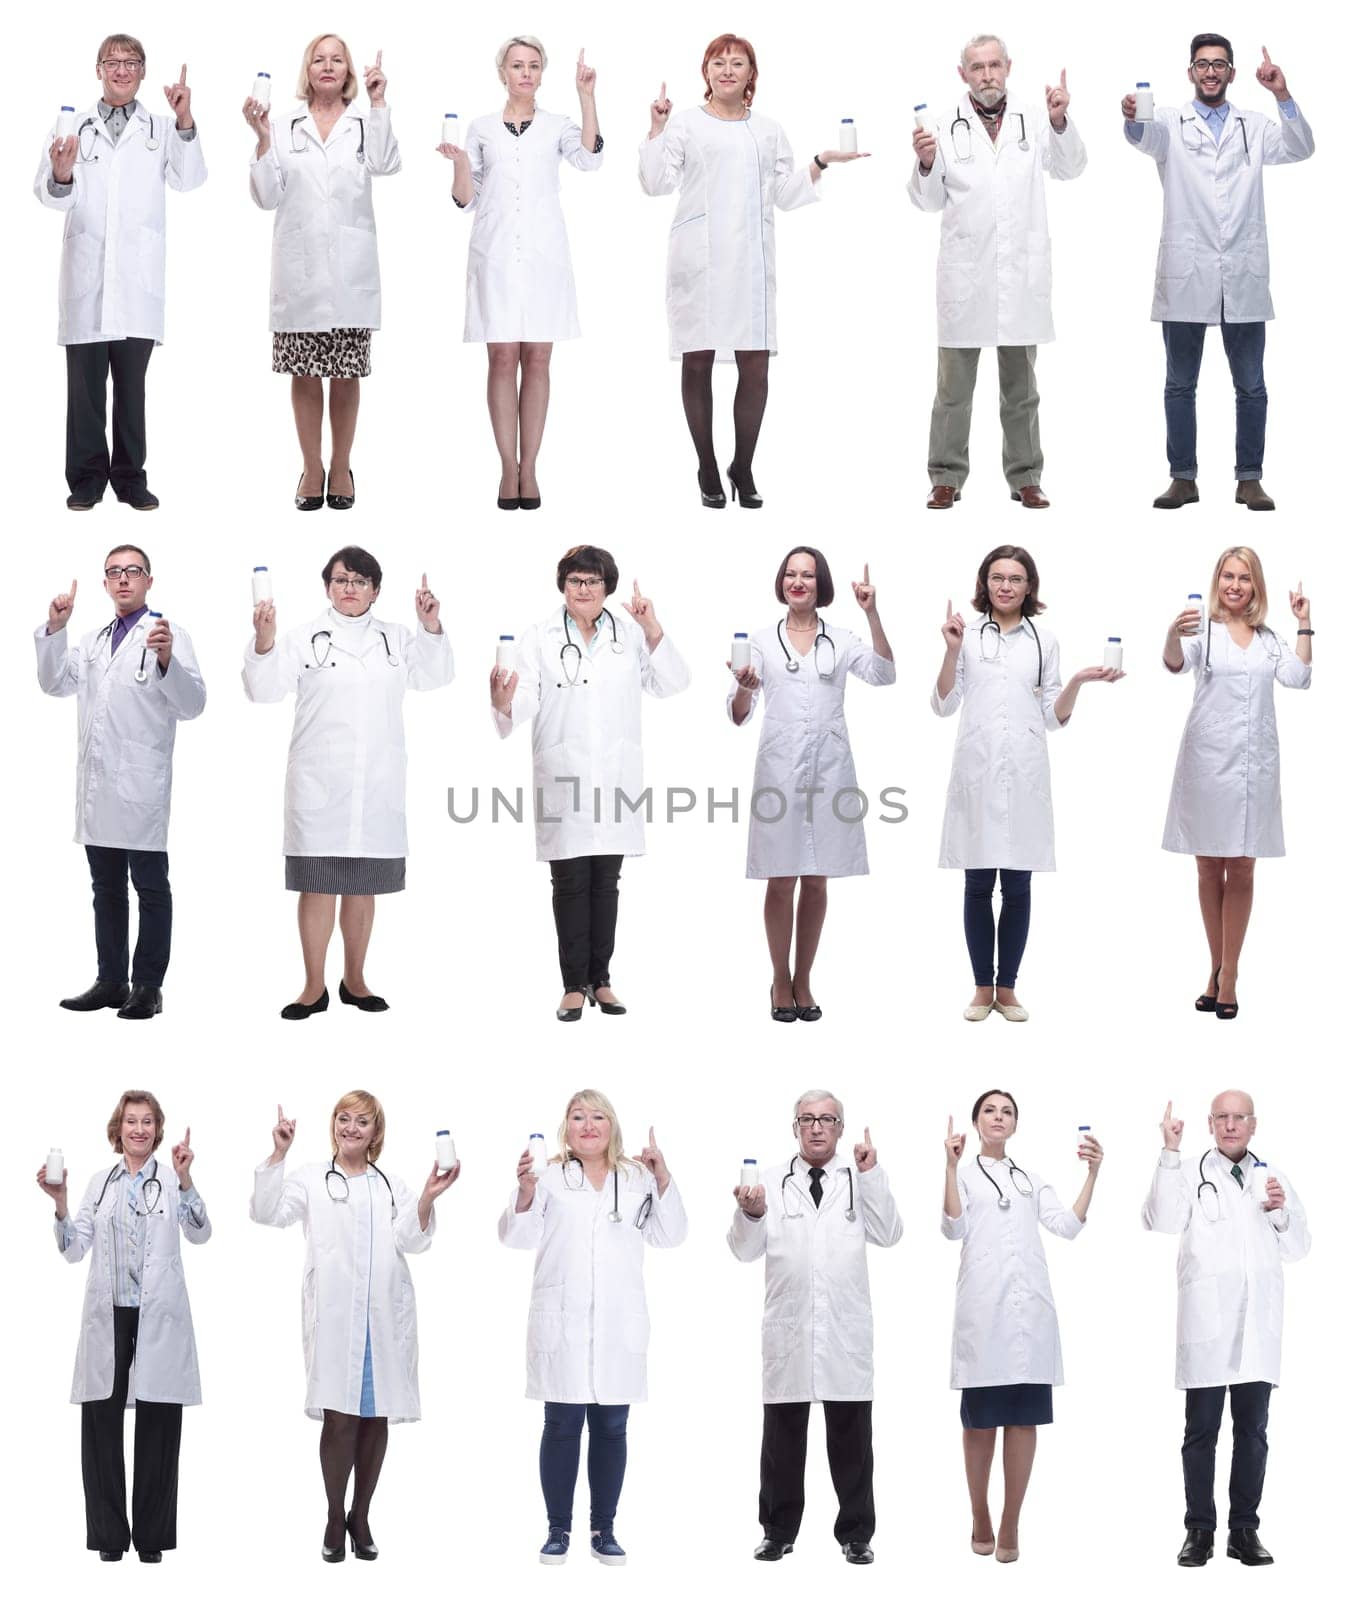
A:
782, 1013
574, 1013
151, 1556
146, 1001
140, 500
1243, 1545
530, 502
82, 500
610, 1008
101, 994
1196, 1550
773, 1550
297, 1011
342, 502
809, 1013
310, 502
362, 1552
366, 1002
507, 502
858, 1553
109, 1555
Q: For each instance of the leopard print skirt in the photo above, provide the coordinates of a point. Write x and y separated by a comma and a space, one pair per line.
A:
343, 353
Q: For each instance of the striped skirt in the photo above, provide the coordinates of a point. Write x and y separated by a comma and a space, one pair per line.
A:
346, 874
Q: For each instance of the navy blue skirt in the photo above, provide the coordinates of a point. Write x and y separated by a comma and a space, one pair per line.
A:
1007, 1405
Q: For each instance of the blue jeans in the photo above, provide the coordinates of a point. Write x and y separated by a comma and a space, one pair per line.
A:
1244, 342
1012, 928
559, 1461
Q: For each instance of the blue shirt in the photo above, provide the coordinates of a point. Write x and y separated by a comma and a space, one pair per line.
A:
1214, 118
128, 1205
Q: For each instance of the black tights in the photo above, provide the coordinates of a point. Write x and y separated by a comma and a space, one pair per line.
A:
751, 399
351, 1442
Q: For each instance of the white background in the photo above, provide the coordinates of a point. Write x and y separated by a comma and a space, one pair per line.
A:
467, 955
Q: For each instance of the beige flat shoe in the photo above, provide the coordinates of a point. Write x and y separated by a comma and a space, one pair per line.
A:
976, 1013
982, 1547
1012, 1014
1007, 1555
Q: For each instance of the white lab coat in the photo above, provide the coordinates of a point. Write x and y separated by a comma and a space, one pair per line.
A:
721, 280
124, 776
112, 249
1006, 1324
1229, 1328
324, 250
520, 284
588, 1323
1226, 799
999, 806
994, 274
590, 733
164, 1370
346, 777
804, 745
1213, 256
356, 1279
817, 1331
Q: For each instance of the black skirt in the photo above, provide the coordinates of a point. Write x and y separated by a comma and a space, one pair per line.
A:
1007, 1405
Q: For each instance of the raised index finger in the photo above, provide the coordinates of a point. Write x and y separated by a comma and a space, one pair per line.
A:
580, 59
950, 1127
1267, 62
74, 585
1062, 81
868, 1136
662, 91
1167, 1110
187, 1137
182, 76
636, 590
423, 580
280, 1115
866, 573
650, 1137
378, 60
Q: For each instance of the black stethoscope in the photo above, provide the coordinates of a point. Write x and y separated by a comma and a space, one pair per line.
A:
151, 142
1264, 635
1204, 1182
644, 1210
300, 149
571, 667
961, 121
1017, 1175
1197, 148
326, 659
997, 630
150, 1195
850, 1214
342, 1193
140, 674
822, 636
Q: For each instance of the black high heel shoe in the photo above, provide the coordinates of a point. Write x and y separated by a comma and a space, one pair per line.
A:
297, 1011
362, 1552
509, 502
343, 502
1225, 1009
1208, 1002
610, 1008
748, 496
530, 502
366, 1002
715, 501
309, 502
782, 1013
333, 1552
574, 1013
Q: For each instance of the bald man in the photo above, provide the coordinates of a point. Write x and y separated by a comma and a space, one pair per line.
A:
1238, 1220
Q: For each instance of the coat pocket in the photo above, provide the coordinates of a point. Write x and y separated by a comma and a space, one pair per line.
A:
1254, 249
1199, 1311
1175, 257
360, 261
1039, 266
143, 776
546, 1320
779, 1344
554, 770
150, 261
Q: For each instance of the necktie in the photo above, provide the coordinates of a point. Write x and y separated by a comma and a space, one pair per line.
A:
816, 1185
1238, 1175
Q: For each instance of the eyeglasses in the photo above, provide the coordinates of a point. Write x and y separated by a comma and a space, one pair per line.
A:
112, 573
1004, 580
825, 1122
121, 63
584, 583
1210, 66
350, 583
1241, 1119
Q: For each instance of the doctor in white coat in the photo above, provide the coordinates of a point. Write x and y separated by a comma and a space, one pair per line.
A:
983, 170
580, 675
1212, 264
588, 1216
805, 817
359, 1308
136, 1345
135, 679
108, 178
999, 807
521, 293
1005, 1354
346, 777
731, 167
313, 167
811, 1219
1226, 798
1238, 1220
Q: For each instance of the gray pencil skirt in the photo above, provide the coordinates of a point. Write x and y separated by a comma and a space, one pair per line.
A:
346, 874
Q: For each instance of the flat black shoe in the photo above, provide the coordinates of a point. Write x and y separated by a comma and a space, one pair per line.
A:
1208, 1002
297, 1011
146, 1001
1196, 1551
772, 1550
343, 502
743, 489
1242, 1544
858, 1553
366, 1002
362, 1552
608, 1007
507, 502
81, 502
810, 1013
103, 993
782, 1013
151, 1556
530, 502
109, 1555
714, 501
309, 502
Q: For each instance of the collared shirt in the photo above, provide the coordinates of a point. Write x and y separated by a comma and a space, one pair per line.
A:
126, 1196
122, 626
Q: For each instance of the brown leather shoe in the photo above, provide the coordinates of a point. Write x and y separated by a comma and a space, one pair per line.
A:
1250, 494
1031, 496
1182, 492
942, 497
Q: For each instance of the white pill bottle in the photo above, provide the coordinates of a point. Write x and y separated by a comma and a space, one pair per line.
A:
262, 89
449, 129
65, 123
446, 1157
505, 652
847, 137
538, 1153
261, 585
925, 119
1145, 109
1114, 653
749, 1172
740, 656
56, 1167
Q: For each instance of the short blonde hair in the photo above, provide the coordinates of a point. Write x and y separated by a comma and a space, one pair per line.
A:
304, 90
529, 42
135, 1097
593, 1100
1257, 609
122, 41
360, 1099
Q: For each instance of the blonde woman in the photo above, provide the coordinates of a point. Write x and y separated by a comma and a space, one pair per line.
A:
1226, 801
360, 1313
313, 167
588, 1216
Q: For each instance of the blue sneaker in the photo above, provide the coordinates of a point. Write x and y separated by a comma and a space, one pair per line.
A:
556, 1549
604, 1547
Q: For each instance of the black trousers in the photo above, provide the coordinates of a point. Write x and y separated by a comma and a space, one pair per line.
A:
89, 468
159, 1429
112, 924
1249, 1452
851, 1461
585, 909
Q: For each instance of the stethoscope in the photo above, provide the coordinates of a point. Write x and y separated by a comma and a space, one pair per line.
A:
342, 1193
151, 143
962, 122
997, 635
140, 674
297, 149
792, 1216
1274, 653
1197, 148
151, 1196
644, 1210
821, 637
1204, 1182
1017, 1175
572, 665
325, 634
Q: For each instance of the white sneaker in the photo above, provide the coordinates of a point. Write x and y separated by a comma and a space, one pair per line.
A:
1012, 1014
